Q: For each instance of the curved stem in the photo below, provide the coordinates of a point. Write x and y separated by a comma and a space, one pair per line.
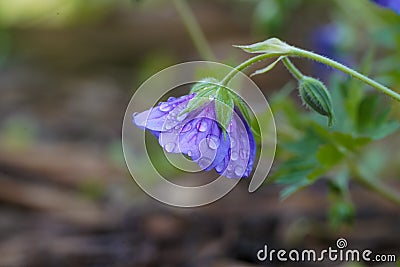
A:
244, 65
194, 30
292, 69
310, 55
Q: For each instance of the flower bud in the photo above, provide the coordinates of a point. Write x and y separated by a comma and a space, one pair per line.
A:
316, 96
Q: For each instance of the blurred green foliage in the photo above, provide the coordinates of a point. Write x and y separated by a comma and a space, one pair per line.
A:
51, 12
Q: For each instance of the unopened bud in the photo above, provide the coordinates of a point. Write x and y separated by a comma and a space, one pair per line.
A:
316, 96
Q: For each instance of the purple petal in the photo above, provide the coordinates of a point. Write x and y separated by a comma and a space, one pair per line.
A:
155, 118
391, 4
239, 161
199, 136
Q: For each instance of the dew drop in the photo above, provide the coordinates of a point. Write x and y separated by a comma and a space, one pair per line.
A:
169, 125
234, 155
230, 167
186, 128
244, 154
239, 170
213, 141
202, 126
233, 142
165, 107
169, 147
204, 162
219, 168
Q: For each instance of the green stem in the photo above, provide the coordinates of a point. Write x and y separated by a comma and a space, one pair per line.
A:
310, 55
243, 66
194, 30
381, 189
292, 69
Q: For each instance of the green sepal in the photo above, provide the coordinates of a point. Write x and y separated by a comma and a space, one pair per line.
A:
205, 84
269, 46
199, 100
224, 106
267, 68
243, 107
204, 91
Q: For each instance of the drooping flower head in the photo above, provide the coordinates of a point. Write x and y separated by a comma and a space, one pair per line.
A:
391, 4
208, 125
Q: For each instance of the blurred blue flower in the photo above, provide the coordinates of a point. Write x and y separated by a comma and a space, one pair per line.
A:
391, 4
331, 41
198, 135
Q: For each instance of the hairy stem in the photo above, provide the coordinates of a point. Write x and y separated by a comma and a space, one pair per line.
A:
194, 30
310, 55
245, 65
292, 69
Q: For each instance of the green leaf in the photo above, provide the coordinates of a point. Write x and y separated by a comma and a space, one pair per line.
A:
293, 173
372, 120
267, 68
366, 110
224, 107
289, 190
270, 46
329, 155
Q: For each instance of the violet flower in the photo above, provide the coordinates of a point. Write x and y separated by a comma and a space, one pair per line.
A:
199, 135
391, 4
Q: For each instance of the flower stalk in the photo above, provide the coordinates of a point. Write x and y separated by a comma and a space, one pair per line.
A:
297, 52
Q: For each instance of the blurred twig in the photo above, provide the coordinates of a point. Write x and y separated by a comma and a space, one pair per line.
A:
194, 30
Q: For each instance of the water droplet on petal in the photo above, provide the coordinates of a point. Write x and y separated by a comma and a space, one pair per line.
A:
239, 170
230, 167
219, 167
204, 162
202, 126
233, 142
234, 155
186, 128
244, 154
213, 141
169, 147
190, 153
165, 107
230, 128
169, 125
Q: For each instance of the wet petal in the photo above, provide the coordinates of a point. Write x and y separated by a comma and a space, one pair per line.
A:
239, 161
200, 137
155, 118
